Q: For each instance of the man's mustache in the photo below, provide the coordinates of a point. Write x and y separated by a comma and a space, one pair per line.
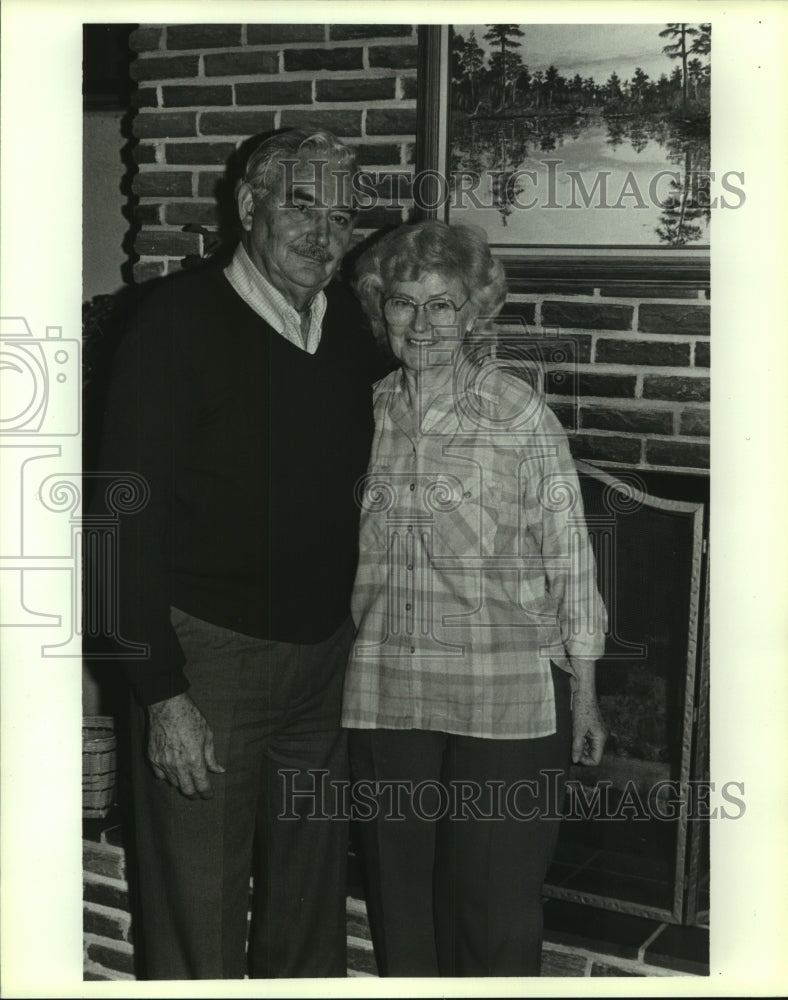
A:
312, 250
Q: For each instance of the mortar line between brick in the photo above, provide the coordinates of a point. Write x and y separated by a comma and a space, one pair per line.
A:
360, 943
613, 300
112, 943
122, 916
101, 879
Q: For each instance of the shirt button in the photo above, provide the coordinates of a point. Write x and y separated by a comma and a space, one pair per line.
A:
408, 607
410, 567
467, 494
413, 649
412, 487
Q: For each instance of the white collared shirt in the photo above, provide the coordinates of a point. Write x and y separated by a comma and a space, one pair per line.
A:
269, 303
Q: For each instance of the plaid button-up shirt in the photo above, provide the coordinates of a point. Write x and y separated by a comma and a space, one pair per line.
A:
475, 567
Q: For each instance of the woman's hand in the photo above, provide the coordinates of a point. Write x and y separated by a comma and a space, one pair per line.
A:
589, 733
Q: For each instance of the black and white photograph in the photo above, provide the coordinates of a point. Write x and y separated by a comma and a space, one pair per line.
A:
368, 545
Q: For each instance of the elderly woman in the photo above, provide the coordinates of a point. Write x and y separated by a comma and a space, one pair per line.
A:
471, 682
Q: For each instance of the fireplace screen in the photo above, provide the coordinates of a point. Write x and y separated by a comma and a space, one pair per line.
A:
627, 842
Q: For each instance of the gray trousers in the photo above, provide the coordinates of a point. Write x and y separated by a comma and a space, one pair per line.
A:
271, 706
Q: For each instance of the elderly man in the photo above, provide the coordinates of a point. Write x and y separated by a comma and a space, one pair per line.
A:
242, 396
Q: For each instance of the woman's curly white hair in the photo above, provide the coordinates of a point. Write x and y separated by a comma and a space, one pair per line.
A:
410, 252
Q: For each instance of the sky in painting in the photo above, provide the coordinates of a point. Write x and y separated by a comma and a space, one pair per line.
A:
589, 49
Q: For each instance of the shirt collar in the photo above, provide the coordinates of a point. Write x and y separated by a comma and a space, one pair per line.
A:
456, 391
269, 303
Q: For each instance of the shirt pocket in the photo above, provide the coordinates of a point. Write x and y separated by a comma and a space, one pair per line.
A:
475, 522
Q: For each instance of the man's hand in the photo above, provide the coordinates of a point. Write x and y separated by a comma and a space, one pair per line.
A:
589, 733
180, 746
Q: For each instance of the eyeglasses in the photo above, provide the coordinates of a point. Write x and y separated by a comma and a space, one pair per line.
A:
439, 312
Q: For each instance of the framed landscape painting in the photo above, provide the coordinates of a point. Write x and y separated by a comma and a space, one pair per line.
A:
587, 144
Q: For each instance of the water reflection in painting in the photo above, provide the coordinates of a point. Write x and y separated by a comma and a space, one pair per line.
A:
582, 134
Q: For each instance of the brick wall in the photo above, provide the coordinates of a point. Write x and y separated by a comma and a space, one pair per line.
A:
108, 950
639, 373
627, 374
203, 89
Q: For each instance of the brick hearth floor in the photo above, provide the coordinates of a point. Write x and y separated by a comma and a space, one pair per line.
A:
579, 940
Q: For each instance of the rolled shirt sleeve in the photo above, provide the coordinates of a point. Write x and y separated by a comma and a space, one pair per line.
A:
568, 556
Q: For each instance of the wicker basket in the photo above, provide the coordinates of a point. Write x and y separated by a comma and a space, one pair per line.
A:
99, 760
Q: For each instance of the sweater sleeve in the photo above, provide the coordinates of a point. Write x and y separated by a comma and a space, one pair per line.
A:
145, 433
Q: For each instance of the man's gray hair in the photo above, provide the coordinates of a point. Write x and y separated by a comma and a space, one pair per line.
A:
261, 167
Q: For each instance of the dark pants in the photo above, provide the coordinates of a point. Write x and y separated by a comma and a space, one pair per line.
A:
460, 895
270, 706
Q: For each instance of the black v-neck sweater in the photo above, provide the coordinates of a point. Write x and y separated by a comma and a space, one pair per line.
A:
251, 449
